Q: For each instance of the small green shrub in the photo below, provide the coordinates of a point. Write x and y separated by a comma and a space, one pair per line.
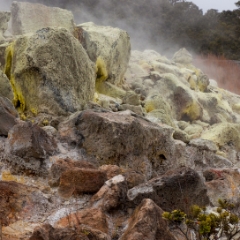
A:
206, 224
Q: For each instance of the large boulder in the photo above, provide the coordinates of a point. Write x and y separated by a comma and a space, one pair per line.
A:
176, 189
109, 48
8, 115
122, 138
50, 72
29, 141
146, 223
4, 19
28, 17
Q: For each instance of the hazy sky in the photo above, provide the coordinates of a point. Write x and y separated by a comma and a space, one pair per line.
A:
202, 4
220, 5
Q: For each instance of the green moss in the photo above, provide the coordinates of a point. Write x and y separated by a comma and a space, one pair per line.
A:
18, 100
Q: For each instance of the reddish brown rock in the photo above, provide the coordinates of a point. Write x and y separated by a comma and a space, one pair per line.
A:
62, 165
110, 170
29, 141
81, 180
93, 217
147, 223
111, 195
82, 232
8, 115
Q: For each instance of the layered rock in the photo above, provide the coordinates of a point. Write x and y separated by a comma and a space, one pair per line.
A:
50, 72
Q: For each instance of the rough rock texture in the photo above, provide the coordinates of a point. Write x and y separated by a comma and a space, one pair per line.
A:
103, 135
30, 141
8, 115
109, 48
147, 223
50, 72
4, 19
5, 87
62, 165
111, 195
80, 180
177, 189
28, 18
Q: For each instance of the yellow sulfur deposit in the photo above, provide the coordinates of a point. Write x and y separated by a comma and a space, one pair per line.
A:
18, 100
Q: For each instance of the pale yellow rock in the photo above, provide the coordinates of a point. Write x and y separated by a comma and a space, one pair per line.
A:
224, 134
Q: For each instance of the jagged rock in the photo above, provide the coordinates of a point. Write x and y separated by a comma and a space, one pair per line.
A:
111, 195
4, 19
103, 135
28, 18
109, 48
203, 144
80, 180
62, 165
110, 170
182, 56
176, 189
201, 158
93, 217
47, 232
50, 72
29, 141
134, 178
147, 223
8, 116
223, 134
5, 87
157, 107
136, 109
222, 184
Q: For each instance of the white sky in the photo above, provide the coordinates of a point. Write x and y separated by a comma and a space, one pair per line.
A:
202, 4
220, 5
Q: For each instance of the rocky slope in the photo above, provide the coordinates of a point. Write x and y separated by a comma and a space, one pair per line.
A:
98, 140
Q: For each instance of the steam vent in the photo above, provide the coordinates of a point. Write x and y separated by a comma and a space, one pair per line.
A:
98, 142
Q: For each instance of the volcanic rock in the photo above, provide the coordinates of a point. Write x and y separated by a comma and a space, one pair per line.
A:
4, 19
8, 115
28, 18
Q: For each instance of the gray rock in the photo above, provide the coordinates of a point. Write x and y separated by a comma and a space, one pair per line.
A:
28, 18
203, 144
8, 115
5, 87
4, 19
30, 142
51, 72
176, 189
182, 56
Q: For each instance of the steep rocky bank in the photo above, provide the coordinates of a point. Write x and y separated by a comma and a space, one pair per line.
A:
98, 140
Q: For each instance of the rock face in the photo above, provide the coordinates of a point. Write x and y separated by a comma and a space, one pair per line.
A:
109, 48
177, 189
41, 17
103, 135
50, 72
8, 115
80, 180
30, 142
5, 87
4, 19
147, 223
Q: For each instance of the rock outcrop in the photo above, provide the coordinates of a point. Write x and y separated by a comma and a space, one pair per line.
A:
29, 17
50, 72
97, 141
